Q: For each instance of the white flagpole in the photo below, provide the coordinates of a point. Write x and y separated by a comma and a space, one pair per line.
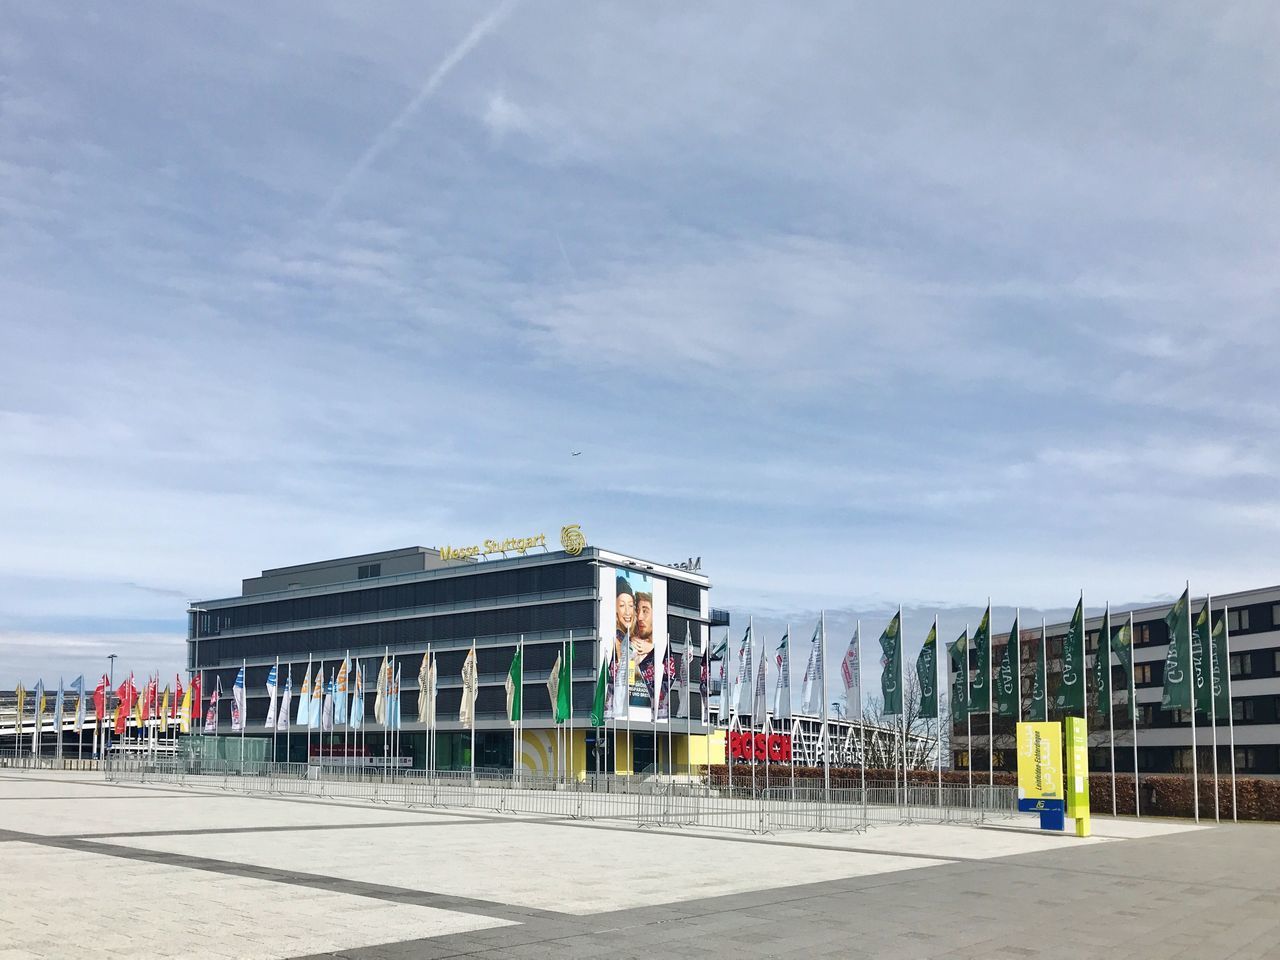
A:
1111, 721
991, 727
822, 691
1133, 718
862, 725
968, 715
346, 713
686, 687
1195, 763
1213, 707
476, 680
791, 713
244, 708
1231, 713
667, 684
937, 697
752, 680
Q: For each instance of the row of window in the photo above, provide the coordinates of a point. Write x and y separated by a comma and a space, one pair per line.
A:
441, 591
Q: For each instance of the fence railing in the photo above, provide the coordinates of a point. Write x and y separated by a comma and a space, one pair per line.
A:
26, 761
802, 806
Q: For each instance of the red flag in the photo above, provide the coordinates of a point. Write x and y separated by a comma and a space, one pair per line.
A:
100, 699
177, 697
149, 700
195, 699
128, 696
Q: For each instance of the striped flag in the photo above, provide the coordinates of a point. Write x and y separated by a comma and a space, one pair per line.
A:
357, 703
340, 692
317, 699
326, 715
286, 700
272, 682
304, 699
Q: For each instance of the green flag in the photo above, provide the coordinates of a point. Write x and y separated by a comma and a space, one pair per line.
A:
891, 666
1039, 706
564, 687
1009, 676
980, 685
927, 674
1102, 663
1199, 674
1176, 694
1070, 698
1221, 698
1122, 646
959, 653
515, 687
602, 692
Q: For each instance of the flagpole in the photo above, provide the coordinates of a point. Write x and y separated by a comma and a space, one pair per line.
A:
667, 685
790, 711
570, 771
1213, 707
1231, 713
1133, 718
991, 726
822, 692
752, 680
968, 715
862, 725
1111, 723
902, 715
937, 690
686, 669
473, 712
1195, 764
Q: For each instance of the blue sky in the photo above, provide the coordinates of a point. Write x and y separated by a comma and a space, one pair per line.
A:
862, 305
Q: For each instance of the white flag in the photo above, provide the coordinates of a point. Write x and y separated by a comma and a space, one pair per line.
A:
470, 688
851, 674
271, 694
782, 691
282, 718
382, 691
237, 702
811, 695
686, 668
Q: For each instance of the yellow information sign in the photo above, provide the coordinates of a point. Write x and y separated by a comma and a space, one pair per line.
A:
1078, 774
1040, 761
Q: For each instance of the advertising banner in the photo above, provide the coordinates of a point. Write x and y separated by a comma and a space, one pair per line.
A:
1040, 761
636, 650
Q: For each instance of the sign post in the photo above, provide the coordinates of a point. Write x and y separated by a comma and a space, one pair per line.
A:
1078, 774
1040, 773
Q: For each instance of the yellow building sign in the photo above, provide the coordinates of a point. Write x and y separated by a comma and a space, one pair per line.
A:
1040, 761
571, 539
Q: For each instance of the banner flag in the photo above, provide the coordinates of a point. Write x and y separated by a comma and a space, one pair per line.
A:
1070, 698
164, 711
1221, 663
1122, 647
341, 690
99, 699
432, 679
177, 694
184, 713
326, 714
21, 694
1102, 665
564, 690
470, 687
78, 686
927, 675
272, 677
1039, 706
851, 673
891, 666
553, 689
211, 718
317, 698
686, 676
1009, 674
357, 702
237, 701
196, 696
601, 694
811, 694
304, 699
1176, 694
424, 683
619, 706
381, 691
393, 706
745, 675
782, 690
1200, 641
59, 709
515, 687
759, 699
959, 653
704, 688
980, 685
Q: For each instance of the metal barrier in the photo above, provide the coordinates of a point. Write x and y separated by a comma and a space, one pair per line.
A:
29, 762
803, 806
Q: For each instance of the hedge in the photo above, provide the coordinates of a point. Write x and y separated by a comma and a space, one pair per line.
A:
1163, 794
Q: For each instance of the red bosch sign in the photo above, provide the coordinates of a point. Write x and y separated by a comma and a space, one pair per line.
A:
773, 747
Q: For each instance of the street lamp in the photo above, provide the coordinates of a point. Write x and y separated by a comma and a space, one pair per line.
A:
111, 678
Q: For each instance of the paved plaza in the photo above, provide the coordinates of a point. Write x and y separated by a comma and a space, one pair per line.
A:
92, 868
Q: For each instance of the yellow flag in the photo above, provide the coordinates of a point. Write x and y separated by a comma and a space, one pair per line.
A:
184, 715
164, 712
22, 699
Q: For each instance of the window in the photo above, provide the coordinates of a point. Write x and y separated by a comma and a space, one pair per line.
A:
1275, 614
1238, 619
1146, 714
1278, 661
1241, 665
1182, 759
1141, 673
1246, 758
1241, 710
1141, 633
1091, 641
369, 570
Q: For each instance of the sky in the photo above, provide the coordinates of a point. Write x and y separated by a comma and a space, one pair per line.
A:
862, 304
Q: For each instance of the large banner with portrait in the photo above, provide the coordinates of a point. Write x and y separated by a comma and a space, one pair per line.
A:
636, 648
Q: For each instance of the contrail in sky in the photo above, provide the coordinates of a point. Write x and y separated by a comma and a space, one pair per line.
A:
392, 130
